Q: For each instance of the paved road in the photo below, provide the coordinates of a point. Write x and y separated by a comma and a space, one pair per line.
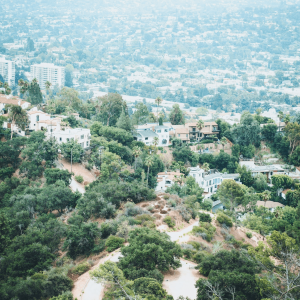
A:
93, 289
74, 185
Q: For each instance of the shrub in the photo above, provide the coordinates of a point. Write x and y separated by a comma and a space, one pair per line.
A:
249, 235
172, 203
169, 221
63, 296
198, 257
140, 219
166, 197
113, 243
206, 205
81, 268
79, 178
149, 224
187, 213
223, 219
132, 210
205, 230
203, 217
99, 247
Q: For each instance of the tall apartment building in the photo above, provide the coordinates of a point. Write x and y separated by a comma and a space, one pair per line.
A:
7, 70
48, 72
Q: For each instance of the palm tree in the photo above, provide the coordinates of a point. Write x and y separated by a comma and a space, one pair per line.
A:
287, 119
17, 116
158, 101
23, 86
47, 85
280, 116
136, 151
223, 141
156, 141
205, 167
149, 163
266, 196
200, 125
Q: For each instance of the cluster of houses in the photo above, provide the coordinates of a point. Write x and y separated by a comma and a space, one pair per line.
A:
54, 126
208, 180
187, 133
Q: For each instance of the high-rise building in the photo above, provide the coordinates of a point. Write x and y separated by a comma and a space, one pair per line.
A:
7, 70
48, 72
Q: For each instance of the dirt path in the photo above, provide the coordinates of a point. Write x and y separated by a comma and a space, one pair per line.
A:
181, 282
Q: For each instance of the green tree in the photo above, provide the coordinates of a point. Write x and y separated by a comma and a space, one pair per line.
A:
176, 115
109, 273
230, 194
81, 239
228, 272
149, 250
136, 151
68, 98
72, 149
246, 175
269, 132
111, 107
52, 175
247, 132
223, 141
148, 162
124, 122
283, 281
18, 117
34, 92
141, 114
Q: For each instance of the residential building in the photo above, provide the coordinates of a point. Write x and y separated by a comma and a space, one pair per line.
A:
147, 132
81, 135
209, 129
268, 170
211, 180
7, 70
166, 179
9, 99
48, 72
189, 132
145, 135
270, 205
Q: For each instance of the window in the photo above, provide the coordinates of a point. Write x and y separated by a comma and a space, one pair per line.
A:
87, 143
82, 145
82, 137
158, 131
146, 139
68, 139
166, 130
178, 135
168, 182
186, 135
60, 139
37, 118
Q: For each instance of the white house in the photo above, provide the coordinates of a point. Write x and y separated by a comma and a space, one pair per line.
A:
165, 180
211, 180
145, 135
267, 170
9, 99
81, 135
147, 132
